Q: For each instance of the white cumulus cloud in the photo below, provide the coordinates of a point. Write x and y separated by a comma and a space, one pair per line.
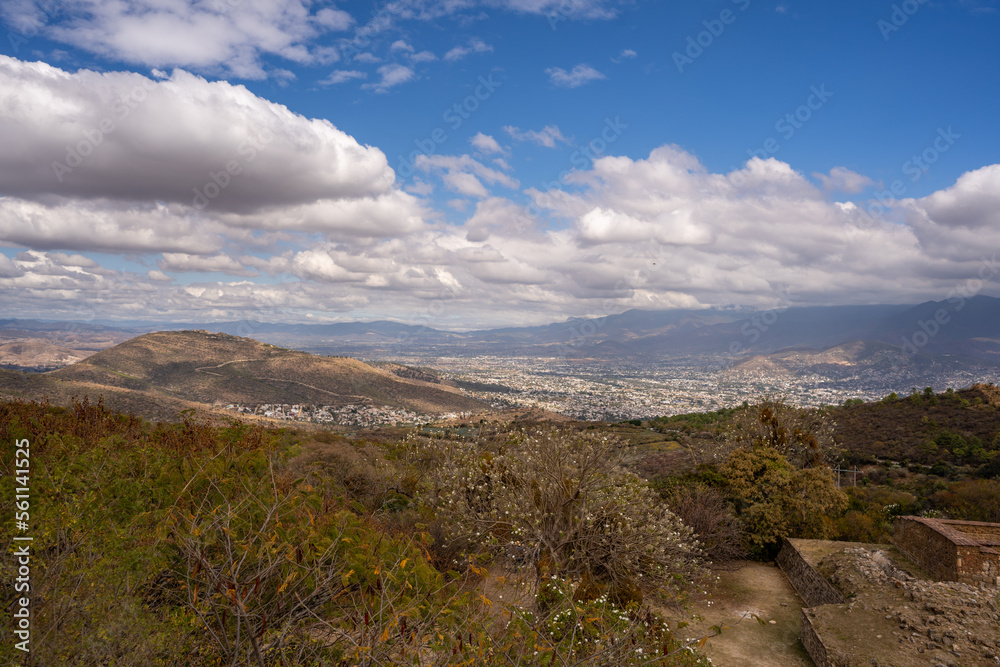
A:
576, 77
484, 143
192, 34
342, 76
548, 136
475, 45
183, 139
842, 179
391, 75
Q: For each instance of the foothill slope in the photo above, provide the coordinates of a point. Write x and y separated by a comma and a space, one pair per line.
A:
178, 369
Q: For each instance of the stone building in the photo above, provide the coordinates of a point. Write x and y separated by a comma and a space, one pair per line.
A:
963, 551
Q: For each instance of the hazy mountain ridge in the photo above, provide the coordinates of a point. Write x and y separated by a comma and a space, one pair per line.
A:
968, 327
972, 329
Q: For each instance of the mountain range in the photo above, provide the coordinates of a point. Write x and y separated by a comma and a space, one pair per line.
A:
965, 327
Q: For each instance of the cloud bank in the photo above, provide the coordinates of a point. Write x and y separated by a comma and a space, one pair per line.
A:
314, 224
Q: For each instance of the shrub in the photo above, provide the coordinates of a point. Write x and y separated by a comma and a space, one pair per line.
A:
660, 465
562, 502
804, 437
707, 512
268, 570
593, 632
990, 469
170, 544
776, 477
971, 500
870, 513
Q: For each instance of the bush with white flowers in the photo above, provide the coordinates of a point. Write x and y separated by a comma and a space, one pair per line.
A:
561, 502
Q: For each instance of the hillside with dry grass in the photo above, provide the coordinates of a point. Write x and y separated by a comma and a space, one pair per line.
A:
38, 353
161, 373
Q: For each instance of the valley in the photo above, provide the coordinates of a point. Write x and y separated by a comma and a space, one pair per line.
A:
634, 365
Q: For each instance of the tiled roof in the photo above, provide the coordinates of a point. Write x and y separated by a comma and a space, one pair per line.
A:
952, 530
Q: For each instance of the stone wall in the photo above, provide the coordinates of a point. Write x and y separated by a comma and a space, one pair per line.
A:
892, 617
807, 582
926, 547
813, 644
978, 565
965, 551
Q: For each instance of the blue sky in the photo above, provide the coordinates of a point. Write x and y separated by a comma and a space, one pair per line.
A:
488, 162
889, 96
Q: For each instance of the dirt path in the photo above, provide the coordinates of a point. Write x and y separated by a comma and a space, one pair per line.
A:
760, 589
224, 363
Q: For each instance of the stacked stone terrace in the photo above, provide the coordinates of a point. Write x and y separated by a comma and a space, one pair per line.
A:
963, 551
868, 604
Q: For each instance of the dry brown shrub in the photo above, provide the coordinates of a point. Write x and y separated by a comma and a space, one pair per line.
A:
971, 500
804, 437
336, 459
664, 464
706, 511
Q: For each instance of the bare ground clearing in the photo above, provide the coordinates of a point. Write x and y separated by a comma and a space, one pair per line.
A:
762, 590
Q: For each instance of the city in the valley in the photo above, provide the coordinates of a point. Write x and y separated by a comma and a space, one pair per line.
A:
614, 390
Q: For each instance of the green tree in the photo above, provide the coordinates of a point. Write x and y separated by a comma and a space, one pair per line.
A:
775, 500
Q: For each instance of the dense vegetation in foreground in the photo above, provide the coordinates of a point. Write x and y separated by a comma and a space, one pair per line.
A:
188, 543
168, 544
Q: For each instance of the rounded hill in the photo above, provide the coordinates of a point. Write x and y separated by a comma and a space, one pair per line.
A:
216, 368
